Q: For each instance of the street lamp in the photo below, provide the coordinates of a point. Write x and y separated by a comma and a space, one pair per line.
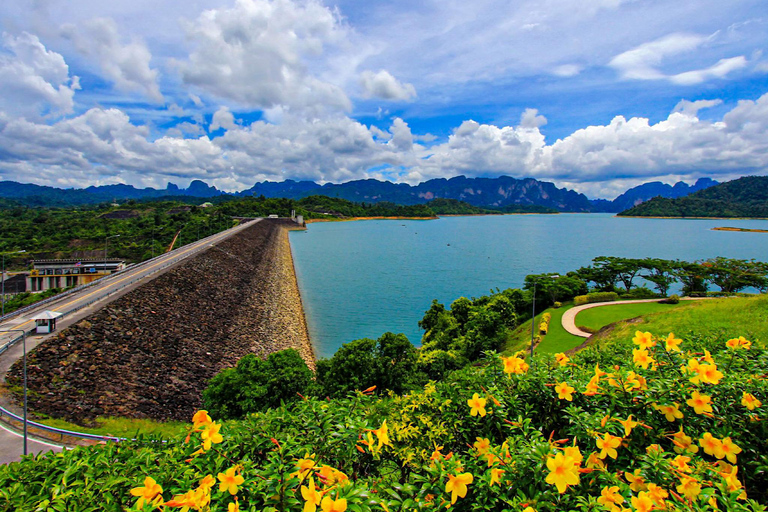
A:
106, 245
533, 314
3, 278
24, 338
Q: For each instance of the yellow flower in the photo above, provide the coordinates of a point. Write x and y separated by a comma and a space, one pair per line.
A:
311, 496
477, 405
229, 481
689, 487
730, 449
562, 359
607, 446
592, 386
306, 464
496, 476
457, 485
680, 463
210, 435
233, 507
628, 425
573, 452
636, 482
635, 382
700, 403
739, 343
683, 443
593, 461
641, 358
749, 401
147, 493
708, 357
671, 412
482, 445
564, 391
201, 419
610, 498
672, 344
514, 364
709, 374
658, 495
642, 502
562, 472
712, 445
330, 505
382, 434
644, 340
207, 483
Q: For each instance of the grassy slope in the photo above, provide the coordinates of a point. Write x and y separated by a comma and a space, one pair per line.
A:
123, 427
727, 318
597, 318
557, 340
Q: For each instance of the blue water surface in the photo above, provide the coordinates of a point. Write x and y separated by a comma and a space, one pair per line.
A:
363, 278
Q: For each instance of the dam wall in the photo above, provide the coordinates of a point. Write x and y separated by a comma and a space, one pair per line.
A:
150, 353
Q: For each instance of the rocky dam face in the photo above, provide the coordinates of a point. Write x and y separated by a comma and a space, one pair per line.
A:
151, 352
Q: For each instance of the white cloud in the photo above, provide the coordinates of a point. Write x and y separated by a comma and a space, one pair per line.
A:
34, 81
644, 62
258, 54
127, 65
530, 118
691, 108
223, 118
385, 86
567, 70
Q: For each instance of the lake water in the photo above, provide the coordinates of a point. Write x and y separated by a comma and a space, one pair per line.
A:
363, 278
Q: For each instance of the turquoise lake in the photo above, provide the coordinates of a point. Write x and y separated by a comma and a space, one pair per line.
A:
363, 278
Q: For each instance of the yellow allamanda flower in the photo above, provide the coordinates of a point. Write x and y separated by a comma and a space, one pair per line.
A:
562, 472
642, 358
311, 495
564, 391
210, 435
672, 344
562, 359
482, 445
642, 502
457, 485
382, 434
709, 374
304, 466
712, 445
657, 495
689, 487
513, 364
700, 403
233, 507
683, 443
330, 505
592, 386
644, 340
477, 405
573, 453
496, 476
607, 445
201, 418
730, 449
671, 412
594, 461
628, 425
610, 498
148, 493
749, 401
230, 481
635, 480
680, 463
740, 343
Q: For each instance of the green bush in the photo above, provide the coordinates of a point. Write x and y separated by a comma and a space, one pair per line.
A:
557, 304
641, 292
602, 297
580, 300
256, 384
672, 299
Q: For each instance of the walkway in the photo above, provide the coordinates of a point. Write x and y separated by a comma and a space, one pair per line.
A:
569, 317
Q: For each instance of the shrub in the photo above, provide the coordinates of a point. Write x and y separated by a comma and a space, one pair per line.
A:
580, 300
256, 384
557, 304
602, 297
641, 292
672, 299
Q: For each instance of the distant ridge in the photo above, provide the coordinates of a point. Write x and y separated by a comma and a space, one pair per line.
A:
744, 197
501, 193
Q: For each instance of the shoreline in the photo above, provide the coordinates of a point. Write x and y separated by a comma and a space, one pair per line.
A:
683, 218
347, 219
742, 230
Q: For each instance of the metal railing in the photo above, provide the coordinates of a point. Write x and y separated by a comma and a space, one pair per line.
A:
13, 419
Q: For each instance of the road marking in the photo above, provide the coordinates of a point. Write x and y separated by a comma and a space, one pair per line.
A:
30, 439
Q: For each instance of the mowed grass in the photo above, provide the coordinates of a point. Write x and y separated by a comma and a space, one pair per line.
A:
123, 427
556, 340
596, 318
721, 318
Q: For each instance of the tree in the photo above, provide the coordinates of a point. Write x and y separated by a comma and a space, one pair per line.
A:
660, 273
255, 384
621, 269
732, 275
693, 277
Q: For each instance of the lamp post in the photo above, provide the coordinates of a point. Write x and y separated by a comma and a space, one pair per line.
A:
3, 278
533, 314
24, 338
106, 245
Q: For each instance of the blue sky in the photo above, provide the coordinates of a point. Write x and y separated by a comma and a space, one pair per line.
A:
596, 96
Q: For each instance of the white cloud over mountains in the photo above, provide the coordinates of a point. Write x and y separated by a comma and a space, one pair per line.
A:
102, 146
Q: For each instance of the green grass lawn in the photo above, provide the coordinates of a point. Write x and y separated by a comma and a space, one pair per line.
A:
723, 318
557, 340
122, 427
599, 317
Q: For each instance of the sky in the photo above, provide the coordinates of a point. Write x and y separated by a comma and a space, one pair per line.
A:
595, 96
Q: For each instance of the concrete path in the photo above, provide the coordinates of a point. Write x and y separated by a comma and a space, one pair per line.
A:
12, 445
569, 317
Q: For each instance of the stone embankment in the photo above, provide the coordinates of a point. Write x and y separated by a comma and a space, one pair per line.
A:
150, 353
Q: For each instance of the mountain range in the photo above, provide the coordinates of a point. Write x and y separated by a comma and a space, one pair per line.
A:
495, 193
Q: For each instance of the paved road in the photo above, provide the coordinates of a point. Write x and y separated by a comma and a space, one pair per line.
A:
79, 305
12, 445
569, 317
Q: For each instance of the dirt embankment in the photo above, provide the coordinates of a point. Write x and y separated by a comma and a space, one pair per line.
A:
151, 352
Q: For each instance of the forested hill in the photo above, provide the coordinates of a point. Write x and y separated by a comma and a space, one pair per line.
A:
744, 197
